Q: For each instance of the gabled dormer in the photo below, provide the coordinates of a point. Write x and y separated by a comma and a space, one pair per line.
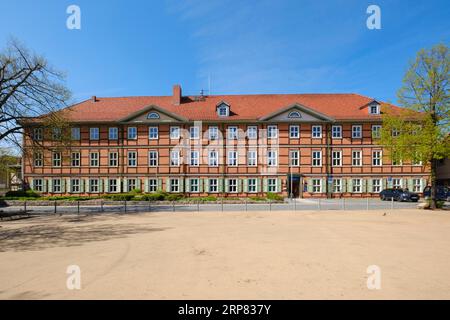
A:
374, 108
223, 109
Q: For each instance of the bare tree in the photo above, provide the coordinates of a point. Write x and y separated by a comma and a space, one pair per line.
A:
29, 88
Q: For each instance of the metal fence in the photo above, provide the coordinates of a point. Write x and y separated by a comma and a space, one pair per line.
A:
87, 207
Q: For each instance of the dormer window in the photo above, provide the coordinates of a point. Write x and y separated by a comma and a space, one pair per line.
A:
374, 109
223, 110
153, 115
294, 115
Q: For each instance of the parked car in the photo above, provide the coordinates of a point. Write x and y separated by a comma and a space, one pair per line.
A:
399, 195
442, 193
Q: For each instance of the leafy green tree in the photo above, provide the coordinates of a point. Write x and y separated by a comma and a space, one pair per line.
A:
419, 131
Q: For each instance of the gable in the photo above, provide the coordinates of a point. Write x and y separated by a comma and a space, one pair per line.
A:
152, 114
296, 113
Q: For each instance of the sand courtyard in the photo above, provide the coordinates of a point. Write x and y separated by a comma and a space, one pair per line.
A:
228, 255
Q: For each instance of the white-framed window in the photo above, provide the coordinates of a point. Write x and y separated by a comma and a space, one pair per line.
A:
396, 160
112, 185
38, 134
252, 132
56, 133
316, 185
194, 158
272, 132
356, 158
252, 185
94, 133
395, 132
336, 132
337, 185
272, 185
153, 133
336, 160
75, 185
153, 158
294, 158
38, 161
132, 158
356, 185
93, 186
294, 131
377, 158
213, 158
213, 185
374, 109
232, 133
356, 131
223, 111
376, 185
75, 159
94, 159
194, 185
113, 133
317, 158
57, 186
152, 185
174, 132
194, 132
113, 159
252, 158
38, 185
132, 133
56, 159
316, 131
174, 158
417, 185
232, 158
376, 131
272, 158
232, 185
131, 184
174, 185
397, 183
213, 133
75, 133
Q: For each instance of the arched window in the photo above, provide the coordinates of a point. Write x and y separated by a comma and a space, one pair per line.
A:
153, 115
294, 114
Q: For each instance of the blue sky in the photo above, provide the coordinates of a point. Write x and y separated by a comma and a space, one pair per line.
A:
127, 48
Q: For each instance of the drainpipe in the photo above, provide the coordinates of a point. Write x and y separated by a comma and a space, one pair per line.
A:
327, 159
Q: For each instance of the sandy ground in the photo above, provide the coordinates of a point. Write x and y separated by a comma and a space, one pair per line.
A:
267, 255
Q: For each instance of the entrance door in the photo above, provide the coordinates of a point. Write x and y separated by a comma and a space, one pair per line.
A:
295, 184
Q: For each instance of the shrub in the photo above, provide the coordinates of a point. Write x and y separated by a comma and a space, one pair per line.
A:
22, 194
257, 198
174, 197
274, 197
122, 197
136, 191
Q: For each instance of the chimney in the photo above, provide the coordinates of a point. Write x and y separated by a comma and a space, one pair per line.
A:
94, 98
176, 96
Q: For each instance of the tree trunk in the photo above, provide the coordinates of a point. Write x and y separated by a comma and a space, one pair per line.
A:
433, 184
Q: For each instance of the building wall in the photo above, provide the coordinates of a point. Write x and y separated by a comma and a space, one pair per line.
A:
163, 171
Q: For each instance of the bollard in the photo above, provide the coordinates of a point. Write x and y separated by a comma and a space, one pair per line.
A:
78, 207
54, 210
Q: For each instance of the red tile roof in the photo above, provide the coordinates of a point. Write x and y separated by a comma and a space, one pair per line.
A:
243, 107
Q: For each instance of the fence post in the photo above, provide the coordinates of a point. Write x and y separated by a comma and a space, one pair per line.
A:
367, 204
246, 209
54, 207
198, 205
101, 205
343, 203
270, 205
173, 205
125, 206
25, 207
319, 205
78, 207
221, 203
392, 202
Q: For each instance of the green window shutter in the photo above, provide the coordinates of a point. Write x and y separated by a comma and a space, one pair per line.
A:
146, 185
364, 185
32, 184
279, 185
370, 185
226, 185
389, 183
343, 185
350, 185
323, 185
119, 185
100, 185
200, 185
245, 183
188, 185
423, 184
63, 185
410, 184
310, 186
168, 184
264, 184
50, 185
206, 180
383, 184
239, 185
125, 185
138, 184
88, 189
106, 185
258, 185
181, 184
69, 185
81, 185
220, 184
159, 184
